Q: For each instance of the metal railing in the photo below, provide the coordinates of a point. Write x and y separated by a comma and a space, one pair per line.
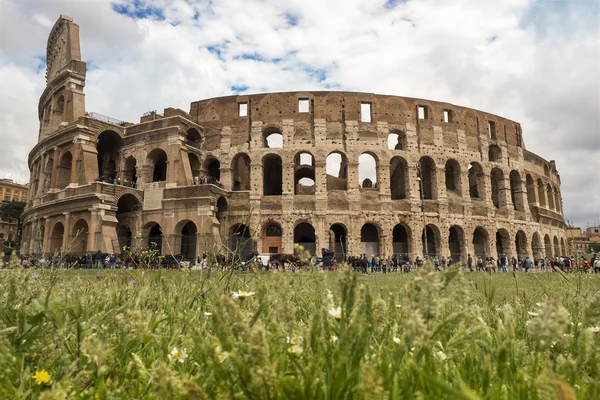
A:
104, 118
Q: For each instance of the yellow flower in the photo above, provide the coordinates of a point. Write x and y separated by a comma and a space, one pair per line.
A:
41, 377
336, 312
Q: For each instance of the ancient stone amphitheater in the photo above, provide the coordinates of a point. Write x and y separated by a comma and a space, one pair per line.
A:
353, 172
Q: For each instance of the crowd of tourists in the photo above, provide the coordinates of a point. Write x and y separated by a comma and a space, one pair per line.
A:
207, 180
117, 181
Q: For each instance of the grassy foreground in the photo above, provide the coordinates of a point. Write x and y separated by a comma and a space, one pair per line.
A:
182, 335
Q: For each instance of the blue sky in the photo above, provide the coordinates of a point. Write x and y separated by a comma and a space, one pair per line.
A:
532, 61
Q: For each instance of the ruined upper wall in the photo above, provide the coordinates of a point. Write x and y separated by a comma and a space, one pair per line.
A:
338, 107
63, 47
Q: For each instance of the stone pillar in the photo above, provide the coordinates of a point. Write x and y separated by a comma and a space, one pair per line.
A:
55, 168
66, 244
225, 177
444, 248
440, 180
321, 185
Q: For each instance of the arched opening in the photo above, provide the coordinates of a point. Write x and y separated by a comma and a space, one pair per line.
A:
336, 167
530, 190
192, 138
480, 242
56, 238
194, 167
124, 236
516, 191
304, 235
79, 237
155, 237
109, 148
338, 241
369, 240
188, 241
453, 181
563, 249
456, 242
367, 171
400, 239
240, 241
521, 245
502, 243
126, 204
64, 171
60, 108
494, 153
157, 159
548, 246
427, 174
476, 181
222, 208
272, 138
212, 166
550, 193
240, 166
536, 246
272, 242
557, 203
130, 172
497, 180
430, 242
541, 193
556, 247
397, 140
304, 173
272, 175
48, 175
399, 178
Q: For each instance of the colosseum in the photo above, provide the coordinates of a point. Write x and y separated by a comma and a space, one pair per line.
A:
353, 172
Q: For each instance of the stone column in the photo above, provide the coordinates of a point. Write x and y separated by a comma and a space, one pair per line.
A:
55, 168
66, 244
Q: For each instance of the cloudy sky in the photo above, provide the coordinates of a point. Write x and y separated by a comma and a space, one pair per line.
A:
536, 62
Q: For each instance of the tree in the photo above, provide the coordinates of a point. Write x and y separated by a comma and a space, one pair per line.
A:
11, 211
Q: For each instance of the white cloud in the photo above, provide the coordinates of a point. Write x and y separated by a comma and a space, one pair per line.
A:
534, 62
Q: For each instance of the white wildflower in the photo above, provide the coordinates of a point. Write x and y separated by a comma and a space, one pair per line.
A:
533, 314
397, 340
336, 312
333, 338
177, 355
241, 294
441, 355
595, 329
208, 314
295, 350
223, 356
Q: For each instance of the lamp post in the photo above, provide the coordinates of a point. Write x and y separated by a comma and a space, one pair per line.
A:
425, 250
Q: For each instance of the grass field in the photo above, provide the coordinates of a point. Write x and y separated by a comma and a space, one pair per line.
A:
175, 334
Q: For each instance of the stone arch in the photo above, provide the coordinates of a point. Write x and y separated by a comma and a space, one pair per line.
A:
431, 235
548, 246
189, 239
494, 153
399, 183
563, 249
369, 239
272, 238
57, 237
272, 175
194, 166
476, 181
401, 236
157, 160
368, 167
516, 191
109, 151
222, 208
48, 174
241, 172
304, 173
130, 171
521, 245
124, 236
79, 237
272, 138
556, 246
541, 193
557, 204
154, 234
497, 181
193, 138
530, 190
453, 177
457, 244
336, 167
550, 194
481, 244
305, 236
397, 140
240, 241
212, 168
502, 243
338, 240
426, 172
64, 170
536, 246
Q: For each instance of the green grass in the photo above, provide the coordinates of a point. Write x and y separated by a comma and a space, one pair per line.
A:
108, 335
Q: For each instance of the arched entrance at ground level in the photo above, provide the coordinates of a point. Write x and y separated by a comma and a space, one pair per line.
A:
556, 247
369, 240
304, 235
56, 238
563, 249
338, 241
272, 242
536, 246
155, 238
456, 243
188, 242
79, 237
548, 246
480, 242
125, 237
431, 241
502, 243
521, 245
400, 240
240, 241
